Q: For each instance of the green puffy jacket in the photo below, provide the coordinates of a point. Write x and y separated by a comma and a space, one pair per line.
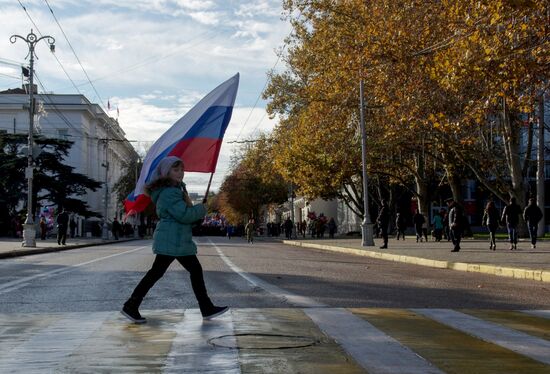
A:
173, 235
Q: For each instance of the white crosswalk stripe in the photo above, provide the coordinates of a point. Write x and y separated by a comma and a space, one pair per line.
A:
370, 347
49, 347
191, 352
527, 345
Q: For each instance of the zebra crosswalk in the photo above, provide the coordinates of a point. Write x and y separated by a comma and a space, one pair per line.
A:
279, 340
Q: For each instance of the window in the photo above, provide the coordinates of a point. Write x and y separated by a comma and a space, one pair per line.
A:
63, 134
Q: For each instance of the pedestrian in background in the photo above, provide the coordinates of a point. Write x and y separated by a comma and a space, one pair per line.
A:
62, 226
456, 223
172, 239
491, 220
418, 220
230, 230
510, 215
115, 228
438, 226
401, 225
532, 215
43, 228
383, 222
331, 227
425, 228
249, 231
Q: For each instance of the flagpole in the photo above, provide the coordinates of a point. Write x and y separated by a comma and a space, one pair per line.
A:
208, 187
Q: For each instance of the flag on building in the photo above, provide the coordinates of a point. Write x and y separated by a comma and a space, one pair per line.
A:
196, 138
108, 105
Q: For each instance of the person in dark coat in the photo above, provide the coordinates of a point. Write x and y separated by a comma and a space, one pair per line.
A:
288, 228
418, 220
383, 222
331, 227
510, 215
491, 220
532, 215
400, 225
115, 228
62, 226
456, 223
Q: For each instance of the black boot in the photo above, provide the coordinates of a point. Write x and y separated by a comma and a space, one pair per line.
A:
131, 311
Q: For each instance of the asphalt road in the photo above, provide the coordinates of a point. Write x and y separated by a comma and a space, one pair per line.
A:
262, 275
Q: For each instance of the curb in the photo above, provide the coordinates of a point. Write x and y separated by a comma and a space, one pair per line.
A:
502, 271
36, 251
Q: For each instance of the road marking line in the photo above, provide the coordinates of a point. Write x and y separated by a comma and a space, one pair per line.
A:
370, 347
47, 349
538, 313
286, 296
527, 345
19, 283
191, 352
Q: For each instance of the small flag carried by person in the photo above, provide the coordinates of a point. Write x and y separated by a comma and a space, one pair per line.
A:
196, 138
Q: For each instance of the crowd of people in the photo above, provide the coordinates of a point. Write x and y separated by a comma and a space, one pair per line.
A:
452, 223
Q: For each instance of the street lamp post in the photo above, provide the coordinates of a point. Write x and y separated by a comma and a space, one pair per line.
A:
105, 227
366, 225
29, 231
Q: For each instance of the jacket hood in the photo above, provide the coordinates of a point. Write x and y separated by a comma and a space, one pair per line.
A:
156, 193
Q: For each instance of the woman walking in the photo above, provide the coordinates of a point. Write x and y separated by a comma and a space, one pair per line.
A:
490, 219
172, 239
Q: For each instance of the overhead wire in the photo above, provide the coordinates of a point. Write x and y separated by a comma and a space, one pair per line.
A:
258, 99
75, 55
54, 55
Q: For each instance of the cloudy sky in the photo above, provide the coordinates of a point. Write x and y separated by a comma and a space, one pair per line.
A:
153, 59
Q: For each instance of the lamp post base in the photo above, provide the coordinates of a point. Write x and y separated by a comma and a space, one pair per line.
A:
367, 235
29, 235
105, 231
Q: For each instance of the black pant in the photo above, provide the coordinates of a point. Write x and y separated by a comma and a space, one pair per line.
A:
384, 233
160, 265
456, 235
61, 234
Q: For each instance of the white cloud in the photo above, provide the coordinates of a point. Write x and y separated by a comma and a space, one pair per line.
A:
154, 59
206, 18
259, 8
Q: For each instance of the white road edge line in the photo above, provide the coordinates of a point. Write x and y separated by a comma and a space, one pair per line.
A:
517, 341
374, 350
19, 283
300, 301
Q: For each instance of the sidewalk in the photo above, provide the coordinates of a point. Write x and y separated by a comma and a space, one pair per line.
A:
11, 247
475, 256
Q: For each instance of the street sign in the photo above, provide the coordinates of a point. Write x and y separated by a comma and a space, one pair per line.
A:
28, 172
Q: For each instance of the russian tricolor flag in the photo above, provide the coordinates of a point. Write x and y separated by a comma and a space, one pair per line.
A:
196, 138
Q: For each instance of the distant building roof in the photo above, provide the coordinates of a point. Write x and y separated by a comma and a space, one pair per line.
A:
14, 91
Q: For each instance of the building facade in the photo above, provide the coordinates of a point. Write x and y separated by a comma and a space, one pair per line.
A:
100, 147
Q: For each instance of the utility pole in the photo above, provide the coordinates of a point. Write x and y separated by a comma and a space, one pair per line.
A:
293, 232
541, 167
29, 231
366, 225
105, 228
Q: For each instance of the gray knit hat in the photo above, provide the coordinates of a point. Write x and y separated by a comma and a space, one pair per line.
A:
164, 166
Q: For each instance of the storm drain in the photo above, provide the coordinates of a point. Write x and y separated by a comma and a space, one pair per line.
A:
262, 341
